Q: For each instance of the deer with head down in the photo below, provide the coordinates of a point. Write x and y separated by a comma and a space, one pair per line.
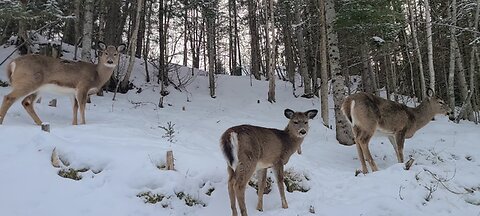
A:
30, 75
369, 114
249, 148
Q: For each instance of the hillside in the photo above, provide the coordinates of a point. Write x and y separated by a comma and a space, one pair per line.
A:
122, 144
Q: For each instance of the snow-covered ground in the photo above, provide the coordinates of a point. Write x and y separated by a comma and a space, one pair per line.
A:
123, 143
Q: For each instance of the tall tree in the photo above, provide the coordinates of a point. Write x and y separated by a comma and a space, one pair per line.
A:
413, 28
301, 51
343, 132
255, 55
271, 42
87, 32
431, 70
124, 85
323, 65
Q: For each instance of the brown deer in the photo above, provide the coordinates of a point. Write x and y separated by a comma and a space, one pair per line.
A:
369, 114
249, 148
33, 74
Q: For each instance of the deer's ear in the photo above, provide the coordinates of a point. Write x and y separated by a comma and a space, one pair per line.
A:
101, 45
121, 48
311, 113
430, 92
288, 113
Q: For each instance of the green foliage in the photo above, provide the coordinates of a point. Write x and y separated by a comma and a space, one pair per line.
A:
149, 197
189, 200
71, 173
169, 131
367, 18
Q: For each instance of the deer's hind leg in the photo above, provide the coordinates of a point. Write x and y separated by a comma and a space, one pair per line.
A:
9, 99
356, 132
231, 190
27, 103
363, 138
243, 173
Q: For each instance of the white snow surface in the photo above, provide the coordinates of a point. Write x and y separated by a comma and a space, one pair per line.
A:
123, 140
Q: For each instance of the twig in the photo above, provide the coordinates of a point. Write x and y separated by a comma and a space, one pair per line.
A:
442, 182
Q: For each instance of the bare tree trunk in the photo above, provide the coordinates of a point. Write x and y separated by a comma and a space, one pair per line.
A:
287, 39
473, 52
271, 43
301, 51
323, 65
451, 70
255, 55
87, 32
132, 46
431, 70
423, 89
210, 18
368, 80
77, 27
146, 49
185, 33
343, 131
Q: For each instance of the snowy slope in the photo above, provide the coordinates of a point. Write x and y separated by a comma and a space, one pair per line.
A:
122, 145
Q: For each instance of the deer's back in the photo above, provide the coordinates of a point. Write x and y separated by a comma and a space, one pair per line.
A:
38, 69
371, 110
258, 144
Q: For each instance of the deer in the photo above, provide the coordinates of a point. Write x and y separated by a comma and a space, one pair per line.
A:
371, 115
32, 74
249, 148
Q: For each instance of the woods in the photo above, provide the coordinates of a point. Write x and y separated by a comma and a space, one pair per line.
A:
392, 47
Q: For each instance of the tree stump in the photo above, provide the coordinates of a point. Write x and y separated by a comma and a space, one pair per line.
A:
46, 127
170, 164
53, 103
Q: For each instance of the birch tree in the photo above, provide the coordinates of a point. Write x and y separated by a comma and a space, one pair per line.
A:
270, 25
133, 47
431, 70
323, 65
87, 32
343, 132
413, 28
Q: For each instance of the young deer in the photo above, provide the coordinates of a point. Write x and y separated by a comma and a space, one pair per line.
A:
33, 74
368, 114
249, 148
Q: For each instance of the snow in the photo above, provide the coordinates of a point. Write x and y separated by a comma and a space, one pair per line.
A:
122, 144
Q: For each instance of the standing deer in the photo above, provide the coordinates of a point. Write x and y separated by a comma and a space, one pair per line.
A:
368, 114
33, 74
249, 148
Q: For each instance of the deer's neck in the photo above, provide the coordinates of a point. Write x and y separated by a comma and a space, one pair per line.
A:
104, 73
294, 142
423, 115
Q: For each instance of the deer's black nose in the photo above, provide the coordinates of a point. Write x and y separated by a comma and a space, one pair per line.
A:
110, 61
303, 132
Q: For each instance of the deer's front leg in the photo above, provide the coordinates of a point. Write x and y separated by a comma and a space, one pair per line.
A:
82, 101
262, 181
278, 168
75, 111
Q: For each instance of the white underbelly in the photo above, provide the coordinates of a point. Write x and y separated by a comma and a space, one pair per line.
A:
380, 132
61, 90
261, 165
56, 89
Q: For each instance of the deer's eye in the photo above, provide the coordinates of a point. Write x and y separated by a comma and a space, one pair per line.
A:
295, 122
305, 122
115, 54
